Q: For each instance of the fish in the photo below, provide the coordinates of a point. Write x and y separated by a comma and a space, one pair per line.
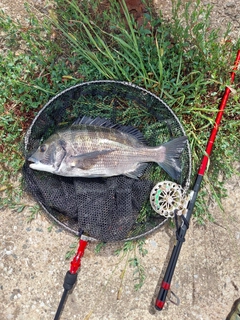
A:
93, 148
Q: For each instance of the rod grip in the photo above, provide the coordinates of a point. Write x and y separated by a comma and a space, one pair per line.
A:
165, 286
162, 295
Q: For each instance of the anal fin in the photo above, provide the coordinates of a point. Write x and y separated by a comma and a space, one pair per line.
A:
138, 172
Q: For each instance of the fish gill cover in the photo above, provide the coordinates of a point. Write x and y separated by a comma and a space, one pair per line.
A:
113, 208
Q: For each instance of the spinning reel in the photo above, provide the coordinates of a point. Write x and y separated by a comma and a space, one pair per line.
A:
168, 198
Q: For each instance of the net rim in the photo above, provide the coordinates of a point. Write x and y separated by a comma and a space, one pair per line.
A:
126, 84
91, 239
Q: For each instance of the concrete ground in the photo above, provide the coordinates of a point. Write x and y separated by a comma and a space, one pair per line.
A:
33, 266
207, 277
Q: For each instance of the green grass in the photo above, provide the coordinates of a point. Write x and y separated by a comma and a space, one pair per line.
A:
181, 61
132, 251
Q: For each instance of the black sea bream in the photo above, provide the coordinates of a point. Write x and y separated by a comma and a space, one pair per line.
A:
97, 148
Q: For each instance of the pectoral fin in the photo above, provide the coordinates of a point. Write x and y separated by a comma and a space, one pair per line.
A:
87, 160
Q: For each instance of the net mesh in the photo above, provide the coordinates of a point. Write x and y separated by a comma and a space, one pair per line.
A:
107, 209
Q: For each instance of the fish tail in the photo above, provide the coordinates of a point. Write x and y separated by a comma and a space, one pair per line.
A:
171, 162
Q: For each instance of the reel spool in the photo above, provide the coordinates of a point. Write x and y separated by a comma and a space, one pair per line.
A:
168, 197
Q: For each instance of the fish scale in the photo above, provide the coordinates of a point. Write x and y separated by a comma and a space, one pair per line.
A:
106, 150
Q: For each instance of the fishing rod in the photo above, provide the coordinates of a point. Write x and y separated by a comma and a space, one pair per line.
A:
180, 234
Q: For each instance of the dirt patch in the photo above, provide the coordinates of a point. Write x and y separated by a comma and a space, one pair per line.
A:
207, 278
223, 13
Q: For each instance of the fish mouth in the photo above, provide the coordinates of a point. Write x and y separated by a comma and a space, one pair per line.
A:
34, 163
33, 159
38, 165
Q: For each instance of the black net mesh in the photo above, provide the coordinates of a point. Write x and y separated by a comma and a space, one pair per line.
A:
108, 209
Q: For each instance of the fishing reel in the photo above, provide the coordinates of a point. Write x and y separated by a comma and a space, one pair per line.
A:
168, 198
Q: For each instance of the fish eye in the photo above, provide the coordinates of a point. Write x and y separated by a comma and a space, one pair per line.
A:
43, 148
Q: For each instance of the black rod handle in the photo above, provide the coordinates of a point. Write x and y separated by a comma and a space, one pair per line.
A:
61, 304
69, 281
165, 286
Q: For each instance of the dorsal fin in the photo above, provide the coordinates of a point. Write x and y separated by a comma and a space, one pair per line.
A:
106, 123
99, 122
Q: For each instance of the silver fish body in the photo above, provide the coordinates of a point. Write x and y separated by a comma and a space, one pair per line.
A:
96, 151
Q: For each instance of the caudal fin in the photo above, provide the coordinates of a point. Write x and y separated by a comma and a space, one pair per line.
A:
173, 151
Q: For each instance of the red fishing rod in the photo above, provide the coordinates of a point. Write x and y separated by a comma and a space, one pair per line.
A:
165, 286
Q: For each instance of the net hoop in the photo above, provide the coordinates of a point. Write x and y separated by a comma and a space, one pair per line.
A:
121, 89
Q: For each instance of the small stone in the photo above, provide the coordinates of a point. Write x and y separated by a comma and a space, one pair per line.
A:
153, 243
59, 230
230, 4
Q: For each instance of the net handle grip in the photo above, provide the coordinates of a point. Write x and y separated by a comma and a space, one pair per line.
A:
76, 261
71, 276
